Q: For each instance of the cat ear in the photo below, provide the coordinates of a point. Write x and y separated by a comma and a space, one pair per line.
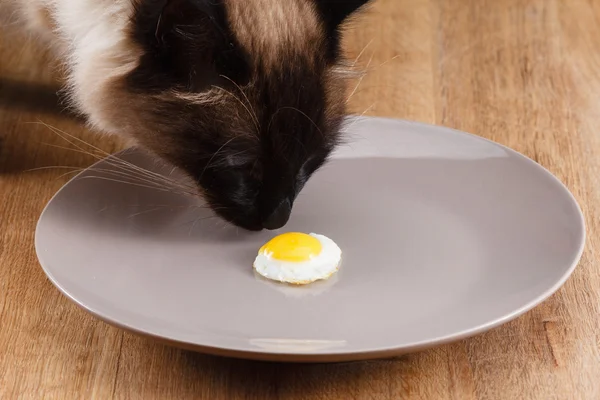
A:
335, 12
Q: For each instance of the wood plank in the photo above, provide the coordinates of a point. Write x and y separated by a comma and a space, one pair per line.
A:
525, 73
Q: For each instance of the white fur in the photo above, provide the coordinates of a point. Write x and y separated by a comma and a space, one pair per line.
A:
91, 37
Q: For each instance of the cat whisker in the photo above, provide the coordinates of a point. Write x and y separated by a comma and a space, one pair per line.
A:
195, 221
388, 61
159, 177
357, 117
121, 172
113, 160
50, 167
168, 206
120, 177
131, 183
299, 143
157, 208
256, 120
362, 52
360, 80
125, 174
300, 112
145, 212
133, 179
120, 163
199, 220
215, 154
252, 116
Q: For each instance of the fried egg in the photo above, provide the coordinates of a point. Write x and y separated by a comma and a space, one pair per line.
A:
298, 258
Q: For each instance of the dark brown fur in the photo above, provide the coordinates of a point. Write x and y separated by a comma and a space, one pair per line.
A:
249, 122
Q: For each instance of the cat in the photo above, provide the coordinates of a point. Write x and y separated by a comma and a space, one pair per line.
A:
245, 96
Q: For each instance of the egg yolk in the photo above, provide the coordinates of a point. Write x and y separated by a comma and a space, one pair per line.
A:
294, 247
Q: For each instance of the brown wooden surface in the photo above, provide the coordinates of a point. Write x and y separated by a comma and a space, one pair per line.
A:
525, 73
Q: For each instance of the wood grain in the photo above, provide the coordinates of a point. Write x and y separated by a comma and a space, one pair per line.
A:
525, 73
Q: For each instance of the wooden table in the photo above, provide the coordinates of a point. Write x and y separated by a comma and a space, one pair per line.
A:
525, 73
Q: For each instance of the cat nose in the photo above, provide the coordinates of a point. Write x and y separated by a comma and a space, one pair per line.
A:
279, 217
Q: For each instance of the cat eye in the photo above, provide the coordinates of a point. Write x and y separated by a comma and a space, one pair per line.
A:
240, 163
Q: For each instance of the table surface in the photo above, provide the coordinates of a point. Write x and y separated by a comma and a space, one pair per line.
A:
524, 73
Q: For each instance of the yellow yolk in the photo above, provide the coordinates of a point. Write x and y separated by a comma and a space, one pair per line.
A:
294, 247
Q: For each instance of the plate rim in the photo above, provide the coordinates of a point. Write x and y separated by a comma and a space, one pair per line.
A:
339, 355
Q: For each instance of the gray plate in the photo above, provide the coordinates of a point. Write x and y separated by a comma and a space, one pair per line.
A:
444, 235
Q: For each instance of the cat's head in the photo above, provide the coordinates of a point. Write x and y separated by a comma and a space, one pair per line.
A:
246, 96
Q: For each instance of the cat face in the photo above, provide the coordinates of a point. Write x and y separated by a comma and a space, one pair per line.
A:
247, 97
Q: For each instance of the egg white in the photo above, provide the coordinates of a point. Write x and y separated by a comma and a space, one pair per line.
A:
319, 267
